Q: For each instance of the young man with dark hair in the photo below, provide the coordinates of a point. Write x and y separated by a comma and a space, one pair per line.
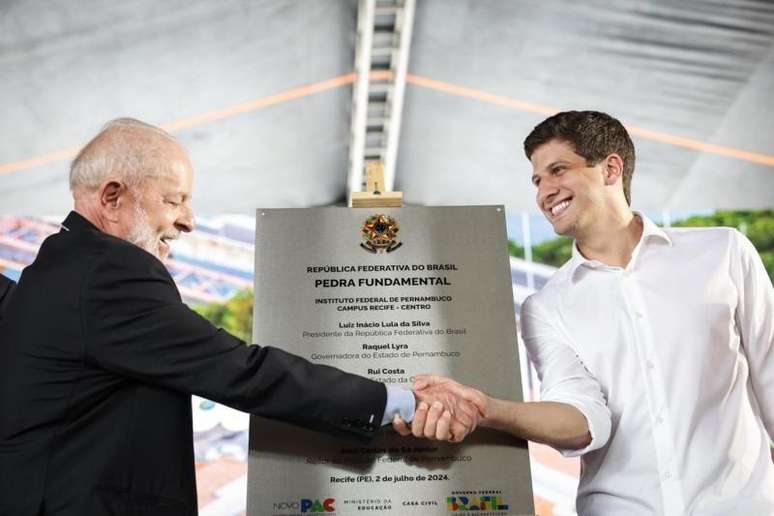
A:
593, 135
675, 324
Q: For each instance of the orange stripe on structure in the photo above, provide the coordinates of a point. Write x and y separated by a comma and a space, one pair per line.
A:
689, 143
462, 91
37, 161
385, 75
670, 139
380, 75
246, 107
197, 120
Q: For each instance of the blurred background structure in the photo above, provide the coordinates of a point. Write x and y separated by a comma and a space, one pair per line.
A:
213, 268
261, 93
281, 103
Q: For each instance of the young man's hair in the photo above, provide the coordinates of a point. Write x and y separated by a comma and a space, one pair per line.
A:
593, 135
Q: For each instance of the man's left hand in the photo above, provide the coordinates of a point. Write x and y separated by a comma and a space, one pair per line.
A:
446, 410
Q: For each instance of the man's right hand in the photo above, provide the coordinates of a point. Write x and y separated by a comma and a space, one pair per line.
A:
446, 410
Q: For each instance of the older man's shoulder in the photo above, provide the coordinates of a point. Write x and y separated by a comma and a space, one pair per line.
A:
96, 250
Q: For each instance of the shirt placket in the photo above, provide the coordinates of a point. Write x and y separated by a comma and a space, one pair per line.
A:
666, 456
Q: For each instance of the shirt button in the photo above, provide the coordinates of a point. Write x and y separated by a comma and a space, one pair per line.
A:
667, 475
639, 315
650, 365
659, 420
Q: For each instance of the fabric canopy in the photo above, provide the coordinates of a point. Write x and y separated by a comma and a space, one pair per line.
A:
260, 91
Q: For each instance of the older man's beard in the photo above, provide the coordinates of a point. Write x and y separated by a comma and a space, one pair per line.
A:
142, 234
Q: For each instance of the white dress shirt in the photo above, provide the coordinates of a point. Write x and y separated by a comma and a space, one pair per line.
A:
681, 341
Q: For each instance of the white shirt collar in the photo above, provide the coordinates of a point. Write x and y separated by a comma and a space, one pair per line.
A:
649, 231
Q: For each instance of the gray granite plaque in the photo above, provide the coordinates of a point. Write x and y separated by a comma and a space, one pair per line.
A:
388, 293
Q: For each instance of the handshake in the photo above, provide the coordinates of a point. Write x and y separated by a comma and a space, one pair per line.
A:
445, 410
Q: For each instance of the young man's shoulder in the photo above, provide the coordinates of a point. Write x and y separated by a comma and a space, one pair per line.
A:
704, 237
701, 232
555, 285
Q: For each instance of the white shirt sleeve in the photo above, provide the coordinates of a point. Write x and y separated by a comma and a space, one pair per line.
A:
755, 321
563, 377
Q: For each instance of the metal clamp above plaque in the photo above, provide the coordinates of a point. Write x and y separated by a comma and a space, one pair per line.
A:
388, 293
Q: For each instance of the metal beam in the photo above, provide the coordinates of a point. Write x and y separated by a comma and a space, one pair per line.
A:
381, 61
365, 32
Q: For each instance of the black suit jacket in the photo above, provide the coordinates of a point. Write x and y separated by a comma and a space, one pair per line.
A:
6, 287
98, 359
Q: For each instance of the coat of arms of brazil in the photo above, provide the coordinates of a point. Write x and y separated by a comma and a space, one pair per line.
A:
380, 234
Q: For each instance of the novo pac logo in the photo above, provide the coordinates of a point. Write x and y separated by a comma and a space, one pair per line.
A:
475, 503
306, 505
313, 506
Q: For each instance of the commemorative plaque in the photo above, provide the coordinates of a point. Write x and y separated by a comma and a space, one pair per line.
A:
388, 293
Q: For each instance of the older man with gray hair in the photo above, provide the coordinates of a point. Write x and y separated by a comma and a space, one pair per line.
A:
147, 199
99, 355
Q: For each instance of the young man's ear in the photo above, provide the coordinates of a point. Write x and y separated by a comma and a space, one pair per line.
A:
111, 198
613, 169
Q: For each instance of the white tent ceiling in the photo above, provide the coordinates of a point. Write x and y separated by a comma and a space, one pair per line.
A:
693, 79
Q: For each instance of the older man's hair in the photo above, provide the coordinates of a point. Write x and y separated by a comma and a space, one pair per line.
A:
124, 148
